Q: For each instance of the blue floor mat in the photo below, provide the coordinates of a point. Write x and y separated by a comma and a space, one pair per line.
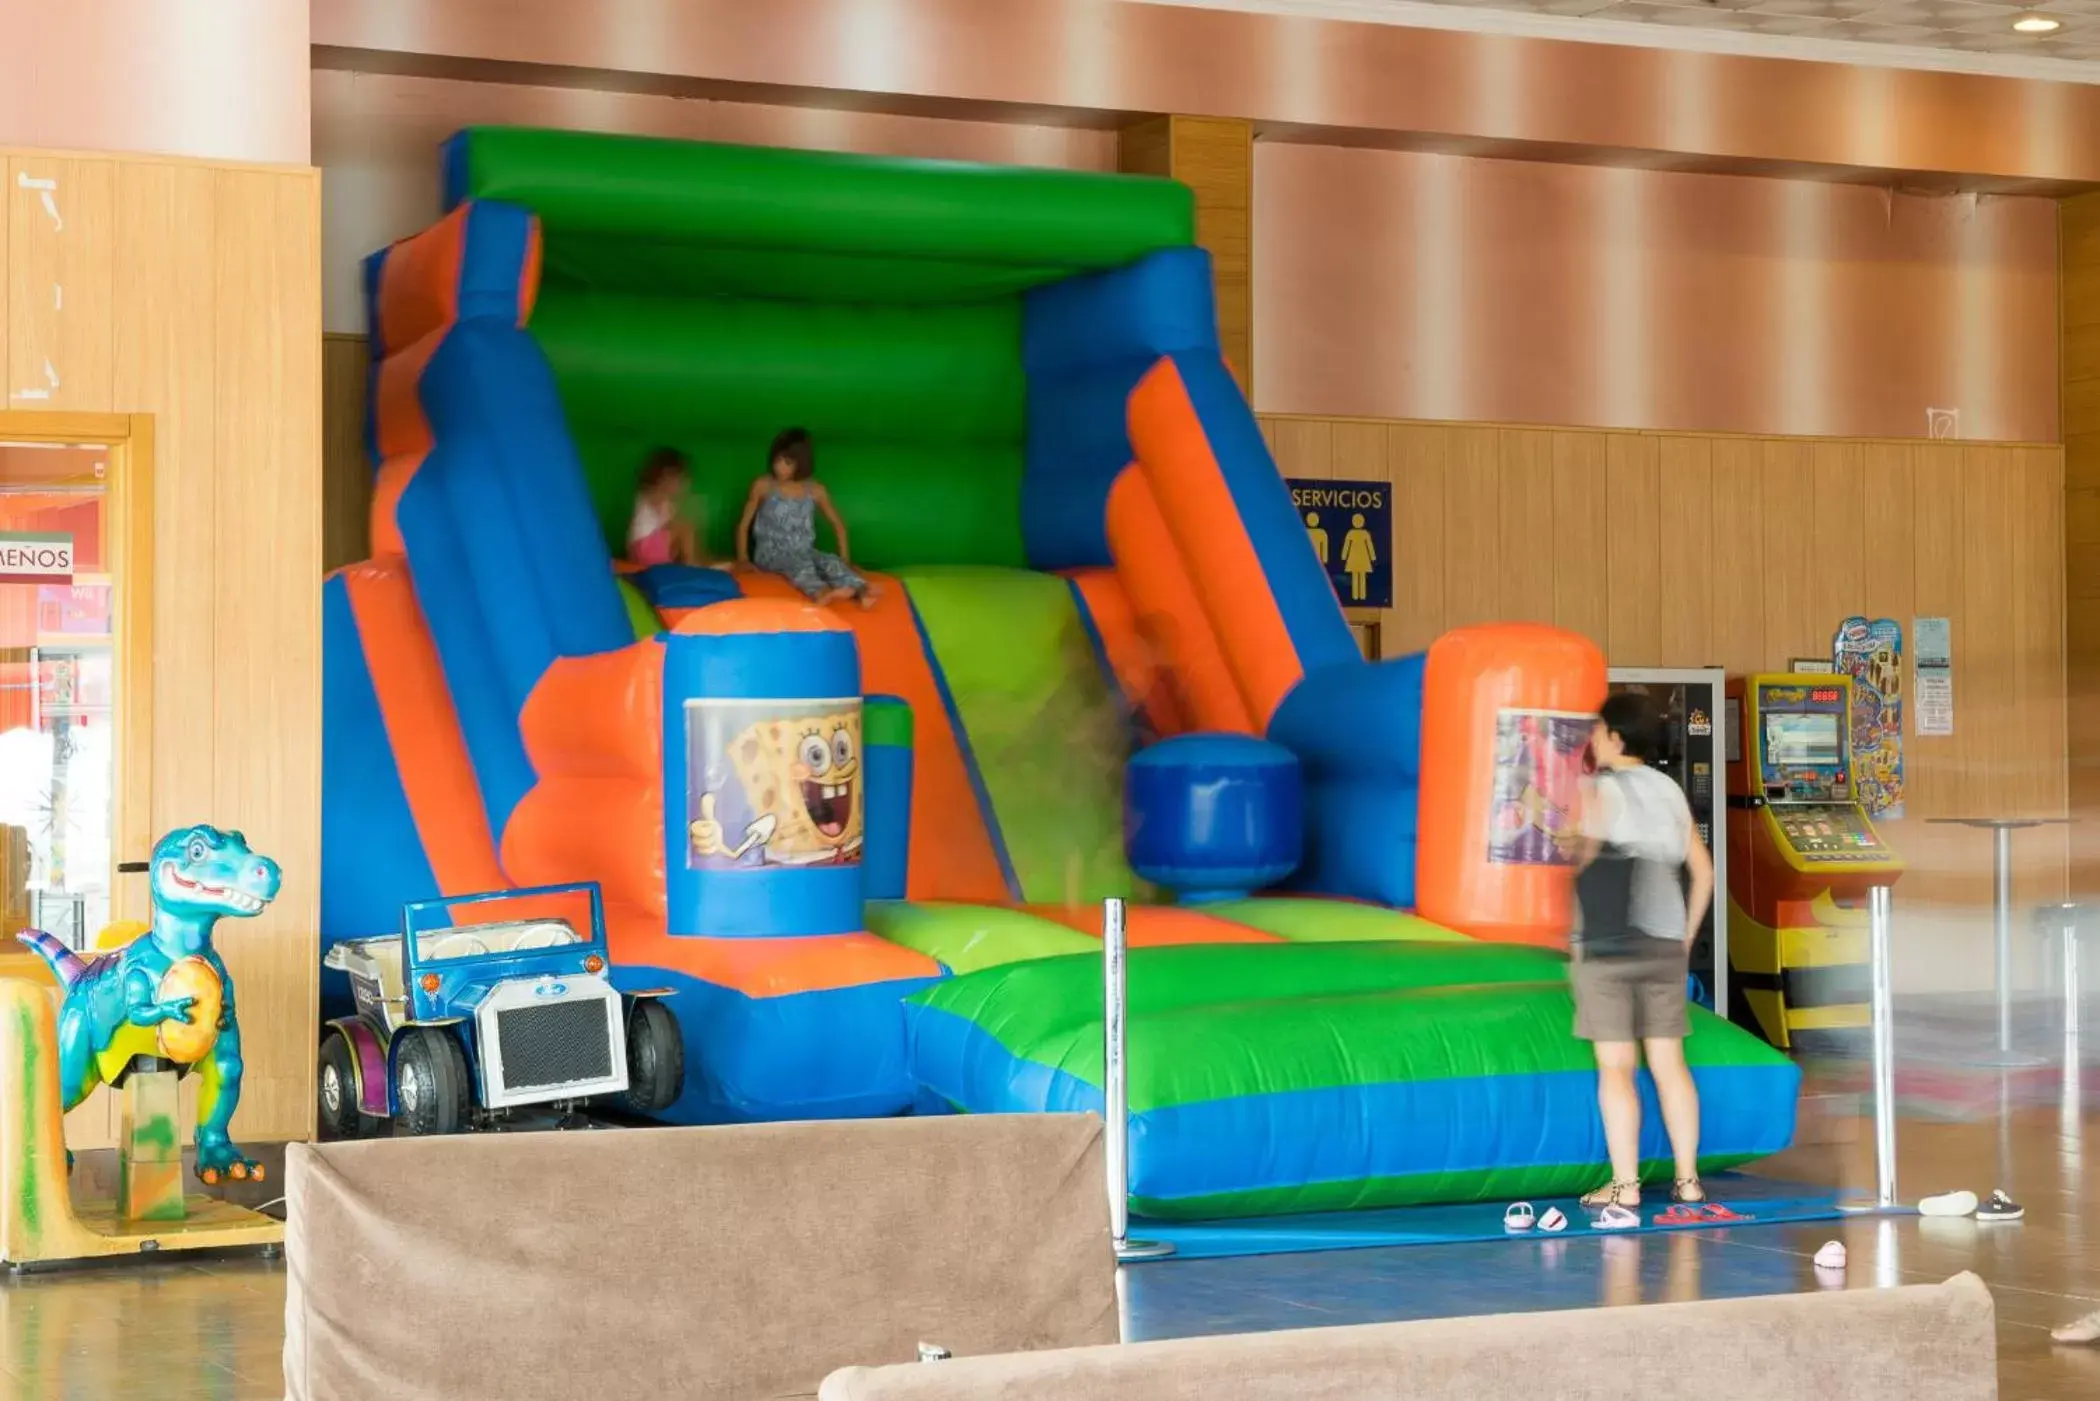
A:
1756, 1201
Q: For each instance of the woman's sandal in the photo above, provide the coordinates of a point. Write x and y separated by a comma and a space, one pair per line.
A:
1615, 1193
1688, 1190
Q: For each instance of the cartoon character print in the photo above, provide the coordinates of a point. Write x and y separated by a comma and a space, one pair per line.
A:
1538, 780
784, 791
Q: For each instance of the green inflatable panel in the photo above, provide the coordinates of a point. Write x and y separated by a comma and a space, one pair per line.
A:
745, 369
1310, 921
680, 218
1317, 1077
903, 504
1055, 1000
968, 937
639, 611
1047, 734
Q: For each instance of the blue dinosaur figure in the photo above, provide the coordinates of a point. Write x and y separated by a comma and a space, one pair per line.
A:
166, 994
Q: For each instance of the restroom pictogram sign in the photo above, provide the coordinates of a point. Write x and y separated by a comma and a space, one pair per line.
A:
1350, 526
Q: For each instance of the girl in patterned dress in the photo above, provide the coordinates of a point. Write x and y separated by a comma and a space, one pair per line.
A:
778, 532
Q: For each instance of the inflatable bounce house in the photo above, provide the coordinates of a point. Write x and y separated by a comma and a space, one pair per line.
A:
868, 847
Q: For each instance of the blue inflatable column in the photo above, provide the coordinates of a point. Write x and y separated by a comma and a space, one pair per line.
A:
765, 782
1213, 816
886, 724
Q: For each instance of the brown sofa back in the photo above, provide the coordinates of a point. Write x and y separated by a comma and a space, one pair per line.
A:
731, 1263
1933, 1342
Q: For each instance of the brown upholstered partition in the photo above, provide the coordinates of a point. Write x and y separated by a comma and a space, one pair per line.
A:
1933, 1342
731, 1263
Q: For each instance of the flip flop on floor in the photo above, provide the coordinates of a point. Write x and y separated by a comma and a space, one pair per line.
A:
1682, 1214
1714, 1211
1518, 1218
1615, 1218
1553, 1220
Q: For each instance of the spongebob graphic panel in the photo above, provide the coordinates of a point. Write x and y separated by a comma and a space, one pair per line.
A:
772, 783
1533, 816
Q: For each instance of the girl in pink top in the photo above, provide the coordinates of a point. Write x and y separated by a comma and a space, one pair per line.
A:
658, 532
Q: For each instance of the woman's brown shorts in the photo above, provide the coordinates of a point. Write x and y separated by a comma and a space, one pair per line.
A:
1634, 997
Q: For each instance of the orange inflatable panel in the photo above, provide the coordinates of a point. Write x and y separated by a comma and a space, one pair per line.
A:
1506, 716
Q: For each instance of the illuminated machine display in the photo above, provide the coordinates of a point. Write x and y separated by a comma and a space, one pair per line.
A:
1803, 855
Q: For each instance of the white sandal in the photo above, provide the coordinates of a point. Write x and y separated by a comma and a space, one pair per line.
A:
1553, 1220
1519, 1218
1616, 1218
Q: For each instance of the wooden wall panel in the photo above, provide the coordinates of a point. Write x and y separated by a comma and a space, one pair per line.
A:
346, 472
61, 217
165, 364
1214, 157
1744, 553
1838, 472
1582, 522
268, 279
1633, 565
2078, 298
1419, 468
191, 297
1529, 534
1787, 497
1684, 548
1738, 537
1472, 526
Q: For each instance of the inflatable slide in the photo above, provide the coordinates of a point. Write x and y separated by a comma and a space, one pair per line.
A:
867, 848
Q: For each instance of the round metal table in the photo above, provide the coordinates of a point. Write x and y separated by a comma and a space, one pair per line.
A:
2002, 829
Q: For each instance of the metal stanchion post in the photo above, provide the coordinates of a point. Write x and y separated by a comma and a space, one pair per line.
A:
1884, 1030
2001, 928
1116, 1090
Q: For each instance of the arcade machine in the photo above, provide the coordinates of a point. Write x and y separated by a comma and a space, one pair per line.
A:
1694, 736
1804, 855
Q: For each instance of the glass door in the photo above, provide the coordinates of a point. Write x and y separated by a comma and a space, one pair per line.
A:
58, 754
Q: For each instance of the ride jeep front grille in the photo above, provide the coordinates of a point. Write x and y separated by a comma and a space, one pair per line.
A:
560, 1044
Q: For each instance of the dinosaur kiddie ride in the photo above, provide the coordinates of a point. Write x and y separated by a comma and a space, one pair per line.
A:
136, 1016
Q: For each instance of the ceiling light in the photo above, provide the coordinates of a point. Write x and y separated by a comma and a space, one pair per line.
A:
2037, 24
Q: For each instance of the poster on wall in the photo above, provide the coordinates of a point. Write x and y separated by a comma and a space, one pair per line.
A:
1871, 653
1534, 813
1934, 641
1350, 525
773, 783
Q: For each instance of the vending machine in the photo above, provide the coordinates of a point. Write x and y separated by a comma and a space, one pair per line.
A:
1806, 855
1689, 700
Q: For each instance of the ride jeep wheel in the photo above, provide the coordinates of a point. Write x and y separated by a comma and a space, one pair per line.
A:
655, 1057
431, 1082
335, 1090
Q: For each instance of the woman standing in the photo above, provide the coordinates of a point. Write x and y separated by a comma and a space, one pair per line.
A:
1637, 924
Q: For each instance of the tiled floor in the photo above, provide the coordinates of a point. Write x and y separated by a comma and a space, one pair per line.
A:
179, 1330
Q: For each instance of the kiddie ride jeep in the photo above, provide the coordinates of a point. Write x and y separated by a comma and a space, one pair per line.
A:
458, 1024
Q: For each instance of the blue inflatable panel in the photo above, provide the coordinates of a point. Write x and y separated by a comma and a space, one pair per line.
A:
837, 1053
1213, 816
1085, 344
685, 586
1285, 1140
372, 858
1357, 732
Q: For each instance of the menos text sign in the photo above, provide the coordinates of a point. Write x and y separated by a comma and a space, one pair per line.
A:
29, 558
1350, 525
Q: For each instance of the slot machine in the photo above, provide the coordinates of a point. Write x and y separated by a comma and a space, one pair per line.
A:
1803, 854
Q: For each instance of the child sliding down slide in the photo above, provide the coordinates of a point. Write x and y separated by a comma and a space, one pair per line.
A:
779, 530
658, 532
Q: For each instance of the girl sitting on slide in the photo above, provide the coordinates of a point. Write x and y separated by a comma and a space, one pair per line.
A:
778, 532
658, 532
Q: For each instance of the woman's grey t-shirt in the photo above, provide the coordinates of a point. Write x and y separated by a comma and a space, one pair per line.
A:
1644, 814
